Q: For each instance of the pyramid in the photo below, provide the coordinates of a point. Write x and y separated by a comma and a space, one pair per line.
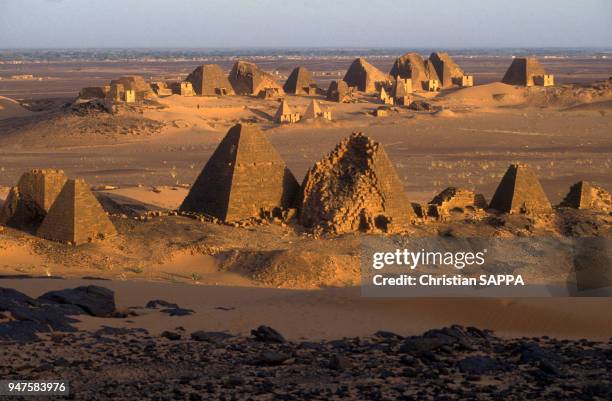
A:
446, 68
364, 76
410, 65
29, 202
401, 87
584, 195
430, 71
338, 91
522, 70
136, 83
355, 188
247, 79
244, 176
300, 82
314, 111
76, 216
520, 192
210, 80
285, 114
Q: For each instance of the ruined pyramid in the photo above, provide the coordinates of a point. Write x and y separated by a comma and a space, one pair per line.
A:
522, 70
28, 203
300, 82
136, 83
584, 195
520, 192
410, 65
210, 80
76, 216
338, 91
244, 176
355, 188
247, 79
364, 76
455, 199
446, 68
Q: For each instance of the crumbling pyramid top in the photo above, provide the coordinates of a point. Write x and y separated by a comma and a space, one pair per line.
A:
209, 79
522, 70
32, 198
454, 197
136, 83
364, 76
299, 79
244, 176
76, 216
585, 195
355, 188
520, 191
410, 65
247, 79
446, 68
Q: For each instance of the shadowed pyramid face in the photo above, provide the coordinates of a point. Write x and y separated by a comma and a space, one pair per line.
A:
244, 176
520, 192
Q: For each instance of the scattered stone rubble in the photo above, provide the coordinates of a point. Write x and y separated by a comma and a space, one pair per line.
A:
453, 199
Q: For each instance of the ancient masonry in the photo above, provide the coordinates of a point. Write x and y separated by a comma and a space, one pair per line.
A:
401, 91
520, 192
137, 84
210, 80
584, 195
355, 188
455, 199
161, 88
314, 111
300, 82
285, 115
384, 97
247, 79
339, 91
449, 73
244, 177
527, 72
364, 76
412, 66
183, 88
76, 216
29, 202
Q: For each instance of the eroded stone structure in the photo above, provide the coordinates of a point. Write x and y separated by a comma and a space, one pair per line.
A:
449, 73
161, 88
410, 66
314, 111
285, 115
247, 79
453, 199
29, 202
585, 195
520, 191
210, 80
244, 177
136, 83
300, 82
355, 188
76, 216
523, 70
364, 76
339, 91
384, 97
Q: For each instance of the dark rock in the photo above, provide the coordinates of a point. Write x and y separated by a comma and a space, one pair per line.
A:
178, 311
418, 345
387, 335
154, 304
270, 358
479, 365
268, 335
96, 301
171, 335
210, 336
340, 362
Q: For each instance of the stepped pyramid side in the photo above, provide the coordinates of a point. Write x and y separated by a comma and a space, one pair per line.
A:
522, 70
364, 76
210, 80
36, 191
244, 176
355, 188
247, 79
520, 191
76, 216
584, 195
299, 82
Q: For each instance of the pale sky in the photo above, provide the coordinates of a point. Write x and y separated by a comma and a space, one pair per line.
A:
305, 23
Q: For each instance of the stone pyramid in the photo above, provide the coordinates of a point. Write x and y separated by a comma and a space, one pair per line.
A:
520, 192
210, 80
355, 188
244, 176
28, 203
300, 82
314, 111
247, 79
522, 70
364, 76
76, 216
285, 114
446, 68
338, 91
584, 195
410, 65
430, 70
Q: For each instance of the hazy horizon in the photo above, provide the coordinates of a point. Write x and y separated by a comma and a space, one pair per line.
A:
192, 24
